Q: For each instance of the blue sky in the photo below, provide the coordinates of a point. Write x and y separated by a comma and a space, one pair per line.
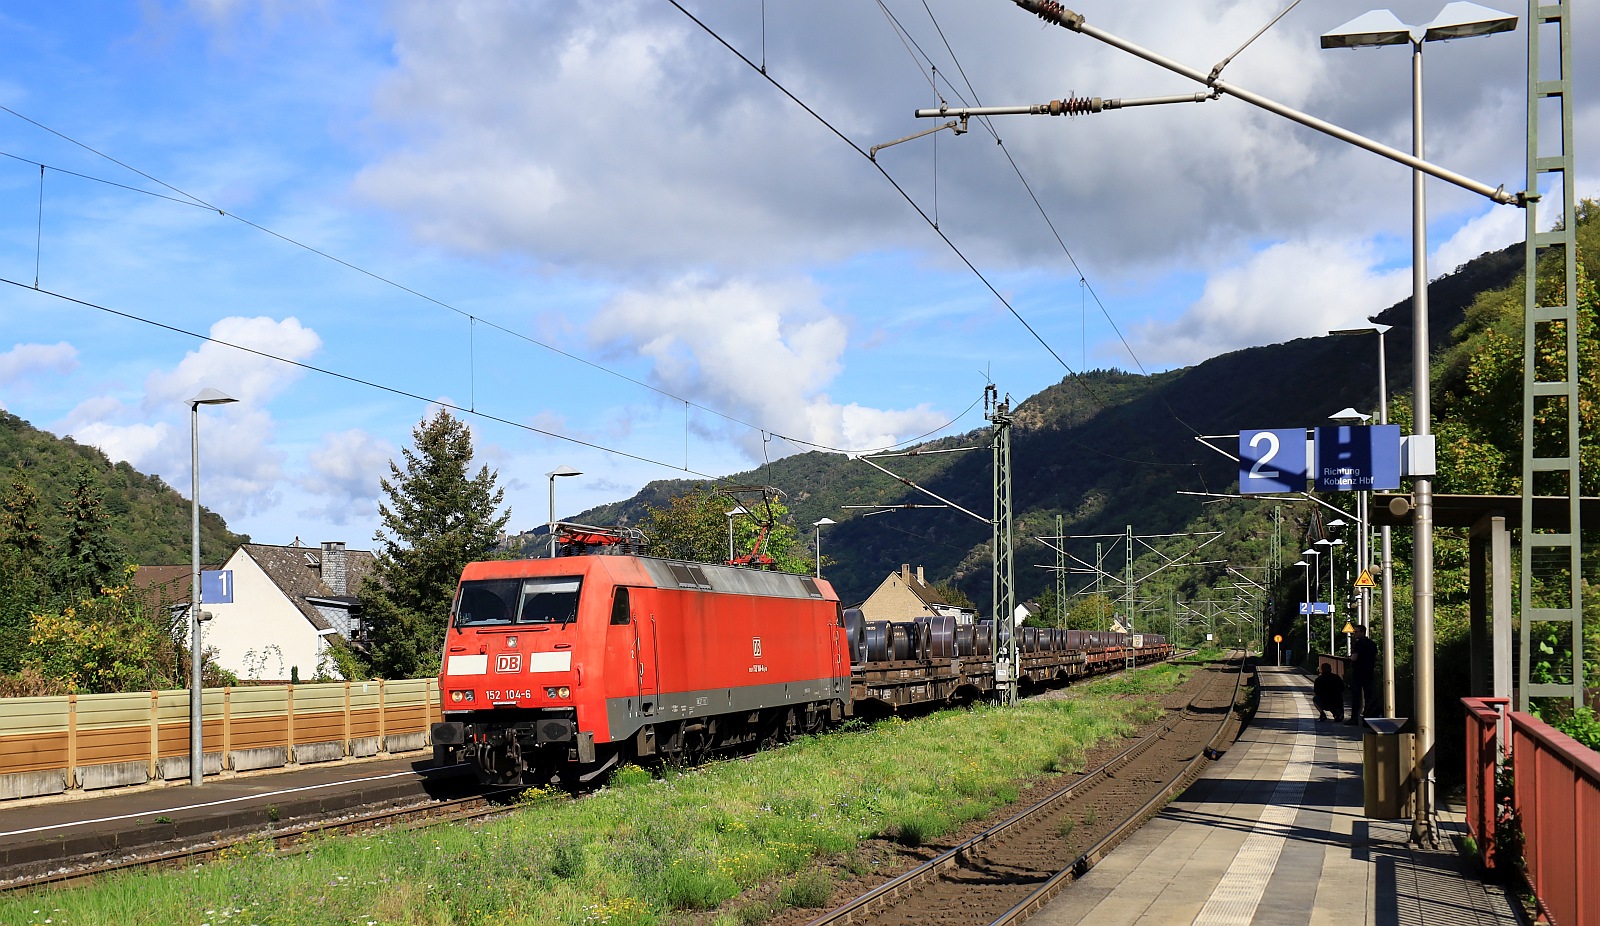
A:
605, 179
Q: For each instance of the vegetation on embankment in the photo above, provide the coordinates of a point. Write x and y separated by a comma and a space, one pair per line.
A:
645, 849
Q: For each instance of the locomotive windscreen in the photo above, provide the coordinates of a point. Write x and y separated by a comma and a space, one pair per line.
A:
519, 601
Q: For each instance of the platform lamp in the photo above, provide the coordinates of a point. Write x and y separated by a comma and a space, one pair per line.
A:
1310, 571
1332, 545
207, 396
732, 513
1351, 418
1457, 20
819, 525
553, 475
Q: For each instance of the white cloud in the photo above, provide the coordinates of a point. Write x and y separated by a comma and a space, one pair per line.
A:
1288, 290
26, 361
763, 350
240, 468
1496, 228
251, 378
345, 470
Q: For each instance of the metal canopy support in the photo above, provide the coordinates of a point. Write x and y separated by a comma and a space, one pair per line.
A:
1551, 572
1005, 650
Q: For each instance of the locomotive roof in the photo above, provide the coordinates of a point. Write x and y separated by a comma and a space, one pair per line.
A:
730, 579
625, 569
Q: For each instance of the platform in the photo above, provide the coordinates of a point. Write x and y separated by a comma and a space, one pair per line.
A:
1274, 834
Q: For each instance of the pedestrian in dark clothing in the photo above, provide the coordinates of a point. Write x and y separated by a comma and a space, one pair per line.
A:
1365, 653
1327, 693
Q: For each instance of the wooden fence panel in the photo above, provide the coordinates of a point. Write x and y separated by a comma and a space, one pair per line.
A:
66, 733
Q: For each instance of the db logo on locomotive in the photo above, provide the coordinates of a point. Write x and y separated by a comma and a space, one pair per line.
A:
508, 662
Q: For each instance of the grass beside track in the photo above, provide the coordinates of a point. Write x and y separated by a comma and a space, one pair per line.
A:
646, 849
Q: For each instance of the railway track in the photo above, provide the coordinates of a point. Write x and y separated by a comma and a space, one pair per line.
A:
464, 809
1010, 870
284, 839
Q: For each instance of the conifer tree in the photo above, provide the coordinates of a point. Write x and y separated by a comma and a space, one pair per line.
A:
437, 519
22, 550
89, 556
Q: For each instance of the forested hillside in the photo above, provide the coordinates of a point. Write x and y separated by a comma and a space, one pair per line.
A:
149, 520
1105, 450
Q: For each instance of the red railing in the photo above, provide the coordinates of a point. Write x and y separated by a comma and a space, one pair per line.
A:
1557, 797
1483, 811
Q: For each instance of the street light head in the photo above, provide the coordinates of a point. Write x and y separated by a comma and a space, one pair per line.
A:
1349, 416
1303, 564
209, 396
1461, 20
563, 471
1336, 523
1379, 27
1335, 542
735, 511
1380, 329
1310, 552
824, 522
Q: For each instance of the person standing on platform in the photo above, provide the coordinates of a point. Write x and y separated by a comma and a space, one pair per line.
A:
1365, 653
1327, 693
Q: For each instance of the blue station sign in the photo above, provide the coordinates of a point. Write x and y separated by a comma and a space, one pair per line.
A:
1272, 460
1358, 457
216, 586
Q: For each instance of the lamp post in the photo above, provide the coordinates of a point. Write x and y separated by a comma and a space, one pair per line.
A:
819, 525
1380, 27
1305, 570
1350, 416
732, 513
1311, 573
553, 475
207, 396
1333, 545
1386, 560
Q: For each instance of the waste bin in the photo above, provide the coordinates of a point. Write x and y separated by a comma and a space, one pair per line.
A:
1386, 760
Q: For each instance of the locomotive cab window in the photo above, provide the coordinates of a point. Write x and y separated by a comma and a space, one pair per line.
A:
518, 601
620, 613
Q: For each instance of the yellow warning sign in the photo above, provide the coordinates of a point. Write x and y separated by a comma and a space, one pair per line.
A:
1365, 581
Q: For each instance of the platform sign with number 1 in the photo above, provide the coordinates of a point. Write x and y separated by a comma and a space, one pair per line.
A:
1272, 461
216, 586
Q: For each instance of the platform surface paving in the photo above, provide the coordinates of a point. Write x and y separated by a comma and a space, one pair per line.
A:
1274, 834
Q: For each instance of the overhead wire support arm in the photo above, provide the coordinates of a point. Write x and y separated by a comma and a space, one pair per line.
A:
1068, 106
1055, 13
958, 126
907, 482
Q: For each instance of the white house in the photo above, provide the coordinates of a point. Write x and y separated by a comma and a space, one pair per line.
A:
905, 595
287, 603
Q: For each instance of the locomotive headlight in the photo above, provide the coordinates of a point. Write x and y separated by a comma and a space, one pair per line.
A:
459, 696
561, 692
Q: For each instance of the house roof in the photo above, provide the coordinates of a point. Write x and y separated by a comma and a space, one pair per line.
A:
297, 572
162, 586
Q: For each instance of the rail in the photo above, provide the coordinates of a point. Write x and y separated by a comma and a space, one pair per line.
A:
75, 743
877, 900
1557, 799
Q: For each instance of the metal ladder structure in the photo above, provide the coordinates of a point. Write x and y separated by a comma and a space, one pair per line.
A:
1006, 663
1551, 554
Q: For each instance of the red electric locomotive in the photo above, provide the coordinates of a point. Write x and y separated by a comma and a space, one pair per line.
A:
567, 666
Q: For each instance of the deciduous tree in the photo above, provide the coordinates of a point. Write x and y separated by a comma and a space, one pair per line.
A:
694, 527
